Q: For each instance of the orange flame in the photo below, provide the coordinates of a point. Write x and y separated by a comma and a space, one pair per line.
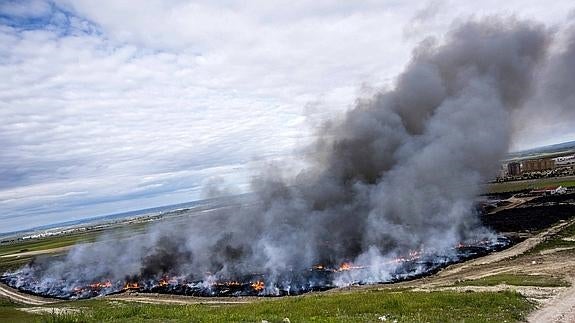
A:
132, 286
99, 285
348, 266
163, 282
258, 286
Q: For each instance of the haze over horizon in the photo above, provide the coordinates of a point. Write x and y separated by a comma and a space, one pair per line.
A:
104, 110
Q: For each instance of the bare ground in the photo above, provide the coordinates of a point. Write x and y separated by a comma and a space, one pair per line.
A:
21, 298
560, 308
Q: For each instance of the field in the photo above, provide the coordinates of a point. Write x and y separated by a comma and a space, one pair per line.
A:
515, 186
504, 286
364, 306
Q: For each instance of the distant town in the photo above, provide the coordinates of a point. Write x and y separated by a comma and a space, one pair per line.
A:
533, 168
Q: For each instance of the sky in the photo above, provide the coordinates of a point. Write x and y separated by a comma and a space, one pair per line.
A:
114, 105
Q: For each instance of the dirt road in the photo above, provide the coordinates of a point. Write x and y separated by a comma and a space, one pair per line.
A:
560, 308
22, 298
513, 202
478, 268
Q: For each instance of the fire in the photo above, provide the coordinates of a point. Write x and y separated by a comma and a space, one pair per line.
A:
345, 266
132, 286
348, 266
99, 285
258, 286
319, 276
163, 282
411, 256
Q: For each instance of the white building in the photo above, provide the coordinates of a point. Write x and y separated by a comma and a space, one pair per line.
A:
565, 160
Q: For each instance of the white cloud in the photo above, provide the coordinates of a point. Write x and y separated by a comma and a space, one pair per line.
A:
98, 96
25, 9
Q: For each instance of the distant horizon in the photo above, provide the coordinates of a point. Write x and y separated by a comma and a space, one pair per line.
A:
542, 146
168, 206
103, 114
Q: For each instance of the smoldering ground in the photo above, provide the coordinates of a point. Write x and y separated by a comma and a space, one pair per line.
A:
396, 174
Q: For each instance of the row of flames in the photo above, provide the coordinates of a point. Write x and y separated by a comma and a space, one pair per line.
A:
259, 285
346, 266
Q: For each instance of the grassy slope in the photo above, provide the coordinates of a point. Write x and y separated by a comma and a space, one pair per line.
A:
62, 241
557, 241
359, 306
48, 243
9, 313
529, 184
516, 280
38, 245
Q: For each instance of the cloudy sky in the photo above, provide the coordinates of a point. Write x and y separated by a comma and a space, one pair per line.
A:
115, 105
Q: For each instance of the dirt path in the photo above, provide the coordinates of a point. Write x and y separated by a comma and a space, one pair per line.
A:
514, 202
534, 293
22, 298
37, 252
560, 308
516, 250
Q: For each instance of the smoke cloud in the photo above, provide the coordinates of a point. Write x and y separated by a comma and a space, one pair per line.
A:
552, 107
398, 173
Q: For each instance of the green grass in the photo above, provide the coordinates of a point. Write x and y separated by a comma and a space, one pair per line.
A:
363, 306
37, 245
557, 240
46, 243
529, 184
9, 313
516, 280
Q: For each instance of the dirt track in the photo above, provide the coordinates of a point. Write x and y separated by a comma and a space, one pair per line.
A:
495, 263
22, 298
561, 308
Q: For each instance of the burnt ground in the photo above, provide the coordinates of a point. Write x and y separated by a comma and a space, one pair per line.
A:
532, 216
532, 222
